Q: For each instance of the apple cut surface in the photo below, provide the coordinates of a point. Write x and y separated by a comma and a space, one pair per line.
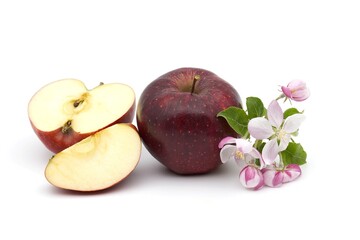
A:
98, 161
65, 111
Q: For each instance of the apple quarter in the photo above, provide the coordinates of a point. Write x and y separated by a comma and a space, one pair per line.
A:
98, 161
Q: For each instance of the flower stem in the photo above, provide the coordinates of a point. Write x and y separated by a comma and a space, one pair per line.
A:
280, 97
281, 163
246, 135
257, 144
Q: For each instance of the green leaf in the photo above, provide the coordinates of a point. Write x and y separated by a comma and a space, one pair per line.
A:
255, 107
237, 119
291, 111
294, 154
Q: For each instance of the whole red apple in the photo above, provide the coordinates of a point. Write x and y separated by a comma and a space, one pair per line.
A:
176, 118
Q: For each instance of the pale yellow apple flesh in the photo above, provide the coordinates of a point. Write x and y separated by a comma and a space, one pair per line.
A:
69, 104
98, 161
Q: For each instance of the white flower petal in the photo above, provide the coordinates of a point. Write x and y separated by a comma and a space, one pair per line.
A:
296, 84
301, 95
260, 128
270, 151
241, 163
227, 153
243, 145
277, 161
284, 142
275, 114
293, 123
255, 154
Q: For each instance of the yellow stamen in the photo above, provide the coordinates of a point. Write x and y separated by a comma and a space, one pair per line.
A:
281, 134
239, 155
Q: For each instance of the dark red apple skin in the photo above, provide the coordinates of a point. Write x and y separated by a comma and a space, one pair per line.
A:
56, 140
179, 128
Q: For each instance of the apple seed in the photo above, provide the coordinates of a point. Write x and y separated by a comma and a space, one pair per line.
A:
78, 102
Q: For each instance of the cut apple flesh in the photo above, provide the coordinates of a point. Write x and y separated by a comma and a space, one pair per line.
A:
68, 104
98, 161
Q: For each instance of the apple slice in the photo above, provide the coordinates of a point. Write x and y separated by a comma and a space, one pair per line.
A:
64, 112
98, 161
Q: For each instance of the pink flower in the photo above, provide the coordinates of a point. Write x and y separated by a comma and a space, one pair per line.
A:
243, 152
296, 90
251, 178
291, 172
275, 178
275, 129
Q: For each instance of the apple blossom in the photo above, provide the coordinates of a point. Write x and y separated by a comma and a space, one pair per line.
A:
291, 172
251, 177
296, 90
276, 129
274, 177
272, 129
241, 151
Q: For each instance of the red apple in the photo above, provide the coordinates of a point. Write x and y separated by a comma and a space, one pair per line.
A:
98, 161
177, 121
64, 112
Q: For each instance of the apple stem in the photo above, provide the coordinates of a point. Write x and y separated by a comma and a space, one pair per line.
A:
67, 127
196, 78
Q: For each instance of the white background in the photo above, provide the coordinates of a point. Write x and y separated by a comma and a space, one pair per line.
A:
254, 45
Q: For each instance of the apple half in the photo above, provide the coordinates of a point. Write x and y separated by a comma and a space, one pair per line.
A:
98, 161
64, 112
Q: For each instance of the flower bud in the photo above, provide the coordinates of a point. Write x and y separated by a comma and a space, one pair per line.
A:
273, 177
296, 90
251, 177
291, 172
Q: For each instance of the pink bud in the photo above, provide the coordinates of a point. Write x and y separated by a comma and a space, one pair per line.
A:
273, 177
296, 90
251, 177
291, 172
